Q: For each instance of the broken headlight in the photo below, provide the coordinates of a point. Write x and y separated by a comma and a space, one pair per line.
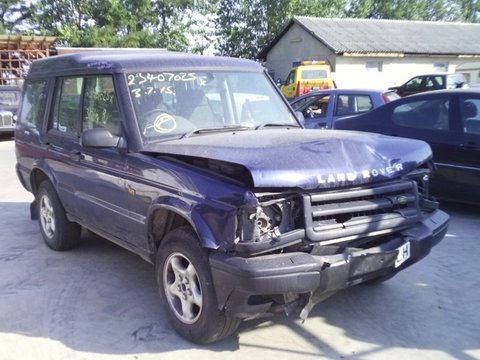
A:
270, 218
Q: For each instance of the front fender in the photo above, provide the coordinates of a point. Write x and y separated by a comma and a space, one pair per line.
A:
214, 223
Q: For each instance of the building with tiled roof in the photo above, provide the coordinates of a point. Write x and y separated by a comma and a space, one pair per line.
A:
372, 52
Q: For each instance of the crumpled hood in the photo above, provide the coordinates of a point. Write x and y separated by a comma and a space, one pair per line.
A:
308, 159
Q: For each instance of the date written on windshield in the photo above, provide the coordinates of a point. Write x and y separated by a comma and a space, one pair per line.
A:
137, 79
145, 84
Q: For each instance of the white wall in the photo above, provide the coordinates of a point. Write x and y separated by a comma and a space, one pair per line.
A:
352, 70
471, 70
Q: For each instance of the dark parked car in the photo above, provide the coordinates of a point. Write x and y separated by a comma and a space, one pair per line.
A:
321, 108
9, 101
428, 82
198, 165
449, 121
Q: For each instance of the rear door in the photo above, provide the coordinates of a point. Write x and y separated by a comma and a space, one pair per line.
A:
62, 140
90, 181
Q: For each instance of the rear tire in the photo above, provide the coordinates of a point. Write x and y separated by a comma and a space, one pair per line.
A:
186, 289
58, 232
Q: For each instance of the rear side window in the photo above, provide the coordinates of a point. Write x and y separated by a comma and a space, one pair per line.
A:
353, 104
470, 112
423, 114
33, 105
435, 82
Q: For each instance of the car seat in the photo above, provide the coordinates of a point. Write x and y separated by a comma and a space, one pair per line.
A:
197, 109
342, 109
470, 111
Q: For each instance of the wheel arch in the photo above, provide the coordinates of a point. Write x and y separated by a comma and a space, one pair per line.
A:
40, 172
37, 176
170, 213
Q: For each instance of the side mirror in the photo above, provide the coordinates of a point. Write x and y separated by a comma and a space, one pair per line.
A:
98, 138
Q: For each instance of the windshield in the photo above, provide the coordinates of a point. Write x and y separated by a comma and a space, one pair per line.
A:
9, 98
178, 103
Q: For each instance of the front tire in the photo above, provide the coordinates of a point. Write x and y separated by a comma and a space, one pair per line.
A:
58, 232
186, 289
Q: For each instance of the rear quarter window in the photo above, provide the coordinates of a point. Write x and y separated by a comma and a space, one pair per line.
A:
33, 104
363, 103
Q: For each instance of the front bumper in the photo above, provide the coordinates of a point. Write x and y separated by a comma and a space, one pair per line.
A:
237, 279
7, 130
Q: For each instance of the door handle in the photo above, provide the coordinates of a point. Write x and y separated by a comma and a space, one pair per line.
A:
76, 155
470, 145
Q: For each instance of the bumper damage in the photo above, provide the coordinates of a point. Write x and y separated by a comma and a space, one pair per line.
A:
302, 280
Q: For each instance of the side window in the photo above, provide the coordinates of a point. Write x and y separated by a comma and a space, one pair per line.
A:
100, 108
429, 83
470, 112
66, 112
353, 104
291, 78
363, 103
414, 83
434, 83
313, 107
319, 106
343, 105
440, 80
33, 104
430, 114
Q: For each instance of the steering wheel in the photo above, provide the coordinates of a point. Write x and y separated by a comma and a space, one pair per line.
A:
309, 112
159, 121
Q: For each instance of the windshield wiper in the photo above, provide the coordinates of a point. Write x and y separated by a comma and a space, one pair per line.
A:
266, 124
213, 130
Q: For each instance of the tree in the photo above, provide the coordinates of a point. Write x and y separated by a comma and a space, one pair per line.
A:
238, 28
425, 10
114, 23
470, 10
246, 26
12, 14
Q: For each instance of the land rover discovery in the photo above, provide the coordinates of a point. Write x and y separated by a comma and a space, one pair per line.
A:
198, 165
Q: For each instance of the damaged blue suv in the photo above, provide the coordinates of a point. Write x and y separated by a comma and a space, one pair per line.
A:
198, 165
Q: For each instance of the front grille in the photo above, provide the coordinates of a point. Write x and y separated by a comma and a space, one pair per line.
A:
6, 119
350, 214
